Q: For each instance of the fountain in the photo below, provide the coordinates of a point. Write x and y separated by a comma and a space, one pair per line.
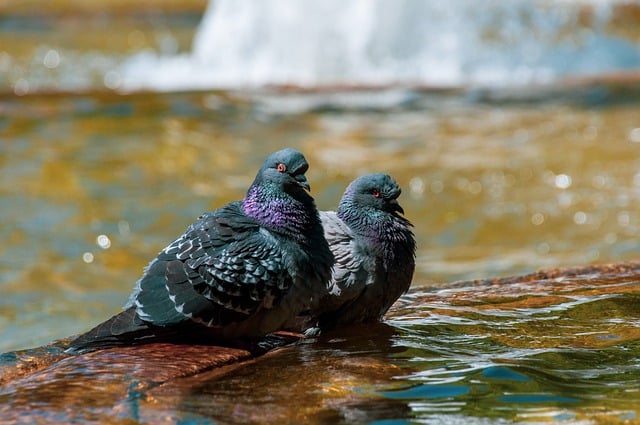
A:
391, 43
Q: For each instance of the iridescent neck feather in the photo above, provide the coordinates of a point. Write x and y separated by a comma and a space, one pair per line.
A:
279, 211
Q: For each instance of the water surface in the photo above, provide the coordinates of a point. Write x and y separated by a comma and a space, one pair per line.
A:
94, 182
556, 347
94, 185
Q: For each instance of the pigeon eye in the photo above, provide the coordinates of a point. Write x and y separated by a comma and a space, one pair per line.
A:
375, 193
281, 167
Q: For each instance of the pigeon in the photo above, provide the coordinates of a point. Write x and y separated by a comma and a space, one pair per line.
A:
374, 251
239, 272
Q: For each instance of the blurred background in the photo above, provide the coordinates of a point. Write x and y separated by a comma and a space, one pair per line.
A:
513, 128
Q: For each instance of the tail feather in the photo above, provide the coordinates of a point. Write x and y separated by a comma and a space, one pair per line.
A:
125, 328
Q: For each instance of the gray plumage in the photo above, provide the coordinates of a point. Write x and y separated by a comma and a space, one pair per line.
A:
241, 271
374, 251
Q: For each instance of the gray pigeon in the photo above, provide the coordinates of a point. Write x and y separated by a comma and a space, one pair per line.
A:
374, 250
238, 272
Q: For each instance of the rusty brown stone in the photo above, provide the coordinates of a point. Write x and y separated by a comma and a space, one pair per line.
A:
154, 364
150, 363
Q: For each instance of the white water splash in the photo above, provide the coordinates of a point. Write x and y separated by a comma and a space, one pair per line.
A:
303, 43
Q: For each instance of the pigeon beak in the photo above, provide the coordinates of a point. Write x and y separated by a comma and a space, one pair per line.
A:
302, 181
395, 206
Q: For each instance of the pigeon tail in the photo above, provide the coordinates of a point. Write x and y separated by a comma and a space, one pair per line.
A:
125, 328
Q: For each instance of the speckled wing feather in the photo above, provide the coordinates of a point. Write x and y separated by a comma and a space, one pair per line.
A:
222, 270
349, 275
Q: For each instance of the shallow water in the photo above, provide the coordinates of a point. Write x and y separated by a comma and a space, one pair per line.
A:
94, 185
502, 182
548, 348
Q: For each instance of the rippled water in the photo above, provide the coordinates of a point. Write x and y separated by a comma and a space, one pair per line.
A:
493, 189
546, 348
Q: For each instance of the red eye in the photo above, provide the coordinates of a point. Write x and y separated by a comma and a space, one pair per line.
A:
281, 167
375, 193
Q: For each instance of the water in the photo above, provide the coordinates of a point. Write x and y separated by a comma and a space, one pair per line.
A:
357, 43
391, 42
559, 348
469, 354
490, 188
498, 182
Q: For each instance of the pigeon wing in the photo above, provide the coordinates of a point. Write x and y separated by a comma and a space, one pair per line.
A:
349, 275
222, 270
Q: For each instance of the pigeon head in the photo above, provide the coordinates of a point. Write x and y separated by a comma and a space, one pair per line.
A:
278, 198
373, 192
285, 169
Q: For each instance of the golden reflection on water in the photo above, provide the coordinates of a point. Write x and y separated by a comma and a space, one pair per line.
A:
501, 189
492, 188
324, 382
511, 349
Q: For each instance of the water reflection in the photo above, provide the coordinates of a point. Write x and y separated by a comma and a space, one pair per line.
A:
543, 347
96, 185
518, 353
328, 381
500, 357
